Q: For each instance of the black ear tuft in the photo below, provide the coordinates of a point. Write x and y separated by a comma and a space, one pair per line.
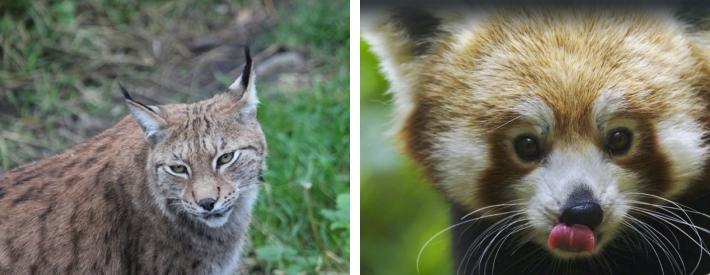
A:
124, 92
246, 74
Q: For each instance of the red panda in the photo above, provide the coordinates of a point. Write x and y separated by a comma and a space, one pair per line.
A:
570, 141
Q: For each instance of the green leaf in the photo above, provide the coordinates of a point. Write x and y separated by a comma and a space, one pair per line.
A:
340, 216
273, 253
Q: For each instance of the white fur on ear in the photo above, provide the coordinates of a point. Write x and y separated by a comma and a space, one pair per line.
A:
151, 123
393, 48
244, 87
401, 39
248, 93
147, 117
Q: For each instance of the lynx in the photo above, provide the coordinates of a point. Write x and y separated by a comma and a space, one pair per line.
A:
167, 190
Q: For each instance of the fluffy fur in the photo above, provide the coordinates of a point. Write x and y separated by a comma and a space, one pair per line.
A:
114, 205
470, 82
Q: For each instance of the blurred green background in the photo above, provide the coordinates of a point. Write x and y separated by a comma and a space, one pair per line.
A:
60, 60
400, 210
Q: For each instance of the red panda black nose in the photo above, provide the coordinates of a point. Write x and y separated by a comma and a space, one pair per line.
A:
581, 208
586, 213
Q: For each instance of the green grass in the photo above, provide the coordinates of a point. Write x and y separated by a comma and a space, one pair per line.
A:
60, 60
399, 209
304, 213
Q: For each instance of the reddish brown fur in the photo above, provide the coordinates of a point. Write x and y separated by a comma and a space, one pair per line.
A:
565, 58
471, 83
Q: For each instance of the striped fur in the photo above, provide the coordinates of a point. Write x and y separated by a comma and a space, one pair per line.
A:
107, 206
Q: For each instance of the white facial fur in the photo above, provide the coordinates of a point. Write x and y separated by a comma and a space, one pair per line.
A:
548, 187
462, 157
680, 138
461, 162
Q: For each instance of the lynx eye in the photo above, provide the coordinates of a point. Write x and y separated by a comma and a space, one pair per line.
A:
178, 169
225, 158
619, 141
527, 148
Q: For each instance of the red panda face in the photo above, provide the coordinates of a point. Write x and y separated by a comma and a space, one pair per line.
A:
571, 122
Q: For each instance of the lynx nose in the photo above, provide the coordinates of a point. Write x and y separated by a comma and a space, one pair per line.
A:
207, 203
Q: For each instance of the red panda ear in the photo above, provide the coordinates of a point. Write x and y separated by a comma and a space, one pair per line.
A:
399, 38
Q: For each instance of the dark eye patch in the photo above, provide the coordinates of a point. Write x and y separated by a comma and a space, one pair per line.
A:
619, 141
527, 147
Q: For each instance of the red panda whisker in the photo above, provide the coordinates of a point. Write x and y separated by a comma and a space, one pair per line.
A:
693, 227
506, 123
515, 230
501, 205
669, 218
668, 208
669, 221
669, 230
515, 213
643, 237
421, 250
648, 227
493, 242
490, 230
476, 242
629, 239
677, 204
690, 224
654, 233
700, 243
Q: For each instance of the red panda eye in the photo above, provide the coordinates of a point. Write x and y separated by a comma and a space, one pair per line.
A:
527, 148
619, 141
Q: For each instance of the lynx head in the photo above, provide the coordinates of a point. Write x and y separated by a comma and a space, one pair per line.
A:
204, 156
573, 121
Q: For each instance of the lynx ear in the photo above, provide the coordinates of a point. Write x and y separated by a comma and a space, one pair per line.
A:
148, 118
244, 88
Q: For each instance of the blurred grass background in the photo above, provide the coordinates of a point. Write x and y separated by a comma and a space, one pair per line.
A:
60, 61
400, 210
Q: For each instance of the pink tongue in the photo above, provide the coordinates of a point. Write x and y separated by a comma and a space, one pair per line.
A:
575, 238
